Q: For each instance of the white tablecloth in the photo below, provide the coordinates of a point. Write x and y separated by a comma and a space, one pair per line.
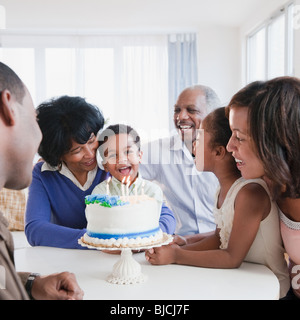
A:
171, 282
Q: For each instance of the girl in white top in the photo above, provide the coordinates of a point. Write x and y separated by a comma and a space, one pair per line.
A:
247, 220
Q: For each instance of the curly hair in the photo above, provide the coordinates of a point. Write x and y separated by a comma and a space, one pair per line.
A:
63, 120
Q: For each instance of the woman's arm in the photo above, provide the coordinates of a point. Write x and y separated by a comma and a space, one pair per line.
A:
39, 228
251, 206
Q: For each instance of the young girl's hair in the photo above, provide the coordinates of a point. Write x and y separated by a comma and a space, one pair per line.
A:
118, 129
274, 117
216, 123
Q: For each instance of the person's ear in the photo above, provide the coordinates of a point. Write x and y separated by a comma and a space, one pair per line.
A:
220, 152
7, 111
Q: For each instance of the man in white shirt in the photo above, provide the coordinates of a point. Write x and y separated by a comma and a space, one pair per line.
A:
170, 162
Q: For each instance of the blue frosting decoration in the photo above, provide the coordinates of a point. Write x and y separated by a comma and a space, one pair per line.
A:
105, 200
126, 235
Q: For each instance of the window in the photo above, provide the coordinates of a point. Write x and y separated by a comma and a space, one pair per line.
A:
125, 76
257, 55
22, 62
270, 47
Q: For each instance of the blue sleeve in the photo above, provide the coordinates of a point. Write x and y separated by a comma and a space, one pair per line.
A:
39, 229
167, 220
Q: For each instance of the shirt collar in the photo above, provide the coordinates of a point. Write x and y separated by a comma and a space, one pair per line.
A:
65, 171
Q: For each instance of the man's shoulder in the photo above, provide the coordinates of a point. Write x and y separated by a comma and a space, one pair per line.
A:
158, 146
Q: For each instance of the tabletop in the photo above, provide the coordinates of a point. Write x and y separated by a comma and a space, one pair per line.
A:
170, 282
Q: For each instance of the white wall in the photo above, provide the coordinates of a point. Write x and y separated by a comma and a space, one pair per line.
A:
221, 49
218, 49
219, 60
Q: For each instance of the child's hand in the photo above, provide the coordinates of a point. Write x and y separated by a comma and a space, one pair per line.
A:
162, 255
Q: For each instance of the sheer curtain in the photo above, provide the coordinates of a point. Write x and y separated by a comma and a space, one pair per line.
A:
126, 76
143, 78
182, 52
133, 79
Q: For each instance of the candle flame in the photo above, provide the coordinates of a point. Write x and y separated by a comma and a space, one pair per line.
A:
108, 180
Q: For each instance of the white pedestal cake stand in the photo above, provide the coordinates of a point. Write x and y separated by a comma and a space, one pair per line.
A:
127, 270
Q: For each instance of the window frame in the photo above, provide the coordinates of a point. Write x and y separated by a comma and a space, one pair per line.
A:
289, 42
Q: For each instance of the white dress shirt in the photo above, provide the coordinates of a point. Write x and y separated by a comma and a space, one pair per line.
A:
189, 193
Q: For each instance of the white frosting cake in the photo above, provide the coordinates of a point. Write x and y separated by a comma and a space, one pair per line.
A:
122, 222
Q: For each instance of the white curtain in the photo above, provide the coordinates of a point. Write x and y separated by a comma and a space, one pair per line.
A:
134, 79
143, 97
125, 75
182, 52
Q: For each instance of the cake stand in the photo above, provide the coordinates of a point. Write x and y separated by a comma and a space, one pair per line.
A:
127, 270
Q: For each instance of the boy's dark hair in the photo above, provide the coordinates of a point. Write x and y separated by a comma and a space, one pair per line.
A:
10, 81
62, 120
118, 129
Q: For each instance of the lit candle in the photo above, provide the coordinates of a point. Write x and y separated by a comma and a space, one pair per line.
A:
127, 186
143, 184
122, 187
135, 192
107, 185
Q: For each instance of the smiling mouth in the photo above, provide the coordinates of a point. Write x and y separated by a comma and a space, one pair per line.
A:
184, 127
125, 171
90, 163
239, 163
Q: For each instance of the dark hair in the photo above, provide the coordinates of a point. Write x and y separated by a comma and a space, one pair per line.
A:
62, 120
245, 96
274, 117
217, 124
10, 81
118, 129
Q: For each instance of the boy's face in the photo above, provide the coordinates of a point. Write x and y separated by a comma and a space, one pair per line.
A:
121, 157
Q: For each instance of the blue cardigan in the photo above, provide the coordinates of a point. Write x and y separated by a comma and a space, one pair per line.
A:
55, 212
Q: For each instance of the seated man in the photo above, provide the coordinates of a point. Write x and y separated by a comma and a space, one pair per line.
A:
20, 138
170, 162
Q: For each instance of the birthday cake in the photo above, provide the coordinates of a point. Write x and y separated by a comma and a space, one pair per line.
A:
122, 222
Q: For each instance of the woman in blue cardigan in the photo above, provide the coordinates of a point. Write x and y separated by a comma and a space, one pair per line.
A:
55, 213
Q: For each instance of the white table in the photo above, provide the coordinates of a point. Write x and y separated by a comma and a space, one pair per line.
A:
171, 282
